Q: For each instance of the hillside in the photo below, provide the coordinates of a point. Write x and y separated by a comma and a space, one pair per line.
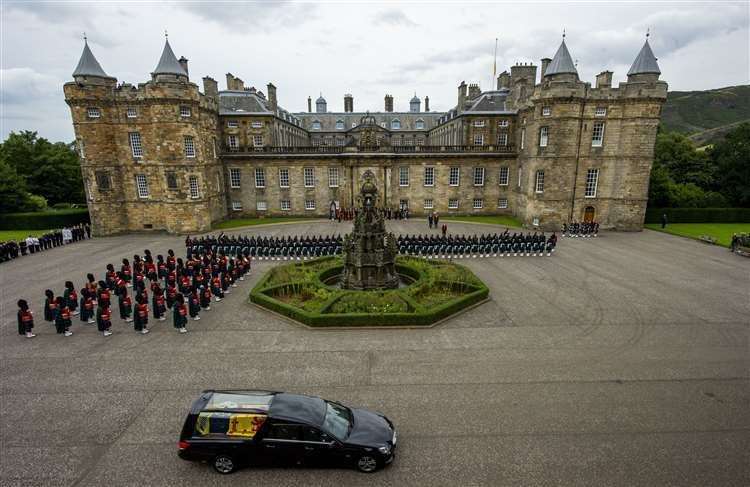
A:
706, 115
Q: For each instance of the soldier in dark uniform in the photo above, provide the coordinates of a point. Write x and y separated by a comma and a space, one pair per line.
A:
104, 319
158, 302
179, 314
62, 318
87, 306
125, 305
71, 298
140, 321
50, 306
194, 304
25, 319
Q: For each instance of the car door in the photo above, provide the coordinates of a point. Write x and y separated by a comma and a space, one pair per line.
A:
282, 444
320, 449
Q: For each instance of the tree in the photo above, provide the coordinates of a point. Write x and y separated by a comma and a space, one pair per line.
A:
685, 164
732, 157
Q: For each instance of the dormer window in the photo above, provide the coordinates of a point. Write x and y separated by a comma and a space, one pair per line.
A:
339, 125
93, 112
316, 125
419, 124
233, 124
185, 111
132, 112
395, 124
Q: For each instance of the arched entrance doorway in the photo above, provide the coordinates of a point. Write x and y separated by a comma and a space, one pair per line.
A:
588, 214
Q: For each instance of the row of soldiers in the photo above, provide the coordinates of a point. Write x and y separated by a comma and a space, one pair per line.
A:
484, 245
12, 250
268, 247
186, 287
580, 229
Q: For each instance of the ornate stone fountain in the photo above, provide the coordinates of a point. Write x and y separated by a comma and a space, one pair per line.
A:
369, 252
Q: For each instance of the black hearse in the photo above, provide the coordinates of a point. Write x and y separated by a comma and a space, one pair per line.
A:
234, 428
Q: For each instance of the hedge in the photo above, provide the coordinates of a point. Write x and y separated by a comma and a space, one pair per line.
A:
699, 215
44, 219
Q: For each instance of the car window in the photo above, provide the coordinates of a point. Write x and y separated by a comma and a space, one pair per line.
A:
280, 431
314, 434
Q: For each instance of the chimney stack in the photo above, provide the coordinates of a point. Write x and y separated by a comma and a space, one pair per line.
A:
348, 103
272, 97
210, 87
309, 104
388, 103
474, 91
184, 63
426, 103
234, 84
503, 80
545, 64
604, 79
461, 96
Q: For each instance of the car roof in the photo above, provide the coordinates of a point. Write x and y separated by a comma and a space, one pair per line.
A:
298, 408
277, 405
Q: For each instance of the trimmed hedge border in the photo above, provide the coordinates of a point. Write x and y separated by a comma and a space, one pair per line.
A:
420, 317
699, 215
44, 219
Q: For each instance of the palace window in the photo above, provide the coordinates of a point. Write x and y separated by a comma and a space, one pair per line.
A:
597, 136
261, 206
131, 112
523, 138
193, 180
309, 177
503, 176
184, 111
309, 204
428, 204
502, 203
600, 112
235, 178
592, 180
256, 124
141, 185
189, 146
502, 139
316, 125
395, 124
171, 177
546, 111
283, 178
454, 177
478, 203
260, 177
258, 140
339, 125
429, 176
233, 143
478, 176
236, 205
93, 112
103, 181
543, 136
479, 123
286, 205
135, 144
502, 123
478, 139
453, 204
233, 124
333, 177
539, 184
403, 176
419, 124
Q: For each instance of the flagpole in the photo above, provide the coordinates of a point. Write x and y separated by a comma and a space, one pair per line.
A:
494, 67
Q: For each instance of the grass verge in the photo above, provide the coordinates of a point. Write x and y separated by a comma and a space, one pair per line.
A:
18, 235
722, 232
505, 220
246, 222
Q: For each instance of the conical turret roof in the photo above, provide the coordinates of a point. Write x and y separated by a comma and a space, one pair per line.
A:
645, 62
168, 63
88, 65
562, 62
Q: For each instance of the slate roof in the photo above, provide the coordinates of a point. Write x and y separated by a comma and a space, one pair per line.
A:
168, 63
645, 62
88, 65
562, 62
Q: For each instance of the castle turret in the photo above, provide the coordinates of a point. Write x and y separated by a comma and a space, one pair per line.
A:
415, 104
169, 68
644, 68
562, 67
89, 70
320, 104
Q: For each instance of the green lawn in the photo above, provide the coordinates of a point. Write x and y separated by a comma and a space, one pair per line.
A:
722, 232
244, 222
18, 235
504, 220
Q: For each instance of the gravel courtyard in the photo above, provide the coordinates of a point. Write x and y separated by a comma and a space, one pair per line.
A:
620, 360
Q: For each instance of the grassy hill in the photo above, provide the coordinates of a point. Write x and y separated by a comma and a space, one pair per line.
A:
706, 115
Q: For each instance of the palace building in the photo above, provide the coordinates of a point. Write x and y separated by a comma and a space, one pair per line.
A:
545, 147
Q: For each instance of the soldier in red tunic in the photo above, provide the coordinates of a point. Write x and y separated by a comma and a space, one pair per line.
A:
158, 302
50, 306
25, 319
87, 307
62, 318
104, 320
127, 272
141, 314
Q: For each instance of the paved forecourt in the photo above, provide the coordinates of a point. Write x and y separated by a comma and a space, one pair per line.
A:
620, 360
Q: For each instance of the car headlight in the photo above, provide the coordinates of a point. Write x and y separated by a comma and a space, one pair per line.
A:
385, 450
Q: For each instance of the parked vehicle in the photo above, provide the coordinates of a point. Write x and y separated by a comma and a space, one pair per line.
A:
231, 429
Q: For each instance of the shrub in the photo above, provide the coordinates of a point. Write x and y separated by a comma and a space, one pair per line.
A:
699, 215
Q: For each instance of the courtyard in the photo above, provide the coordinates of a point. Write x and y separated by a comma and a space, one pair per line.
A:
620, 360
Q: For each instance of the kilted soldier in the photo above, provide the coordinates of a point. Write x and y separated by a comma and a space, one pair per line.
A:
150, 268
171, 262
161, 267
179, 314
205, 298
87, 306
194, 304
62, 318
125, 305
25, 319
71, 298
226, 282
104, 297
171, 294
104, 320
171, 280
127, 272
216, 288
157, 302
139, 281
110, 276
50, 306
140, 321
199, 280
91, 285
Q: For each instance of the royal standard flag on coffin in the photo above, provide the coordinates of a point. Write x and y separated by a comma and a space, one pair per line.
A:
212, 423
245, 425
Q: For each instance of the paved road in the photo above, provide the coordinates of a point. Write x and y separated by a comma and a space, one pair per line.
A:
621, 360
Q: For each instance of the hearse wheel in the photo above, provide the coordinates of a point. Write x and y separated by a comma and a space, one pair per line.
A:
224, 464
367, 464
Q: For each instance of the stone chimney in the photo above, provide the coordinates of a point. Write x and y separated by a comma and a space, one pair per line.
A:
273, 104
461, 96
210, 87
348, 103
426, 103
604, 79
545, 63
525, 71
309, 104
503, 80
388, 103
474, 91
234, 84
184, 63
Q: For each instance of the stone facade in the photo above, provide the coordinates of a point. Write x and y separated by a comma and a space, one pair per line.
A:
547, 152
